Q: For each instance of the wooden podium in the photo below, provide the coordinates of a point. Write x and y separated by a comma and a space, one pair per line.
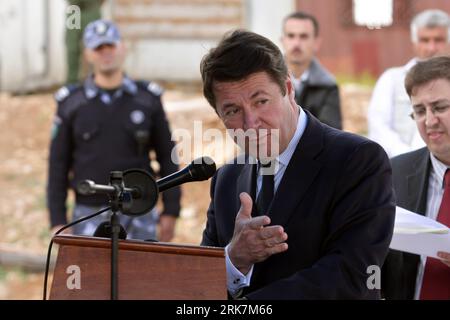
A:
147, 270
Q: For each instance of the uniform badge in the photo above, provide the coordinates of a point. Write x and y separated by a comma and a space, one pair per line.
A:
100, 28
137, 117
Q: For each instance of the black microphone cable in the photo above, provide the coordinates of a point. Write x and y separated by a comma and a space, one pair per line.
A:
49, 251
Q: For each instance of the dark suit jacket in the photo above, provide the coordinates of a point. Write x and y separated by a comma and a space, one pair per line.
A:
336, 204
320, 96
410, 177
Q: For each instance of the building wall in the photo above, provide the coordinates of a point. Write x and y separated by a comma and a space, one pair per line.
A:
353, 50
31, 44
166, 39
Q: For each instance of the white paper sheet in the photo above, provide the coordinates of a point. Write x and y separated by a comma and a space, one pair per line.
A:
417, 234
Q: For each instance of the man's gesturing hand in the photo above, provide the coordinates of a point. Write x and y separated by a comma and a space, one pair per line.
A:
253, 241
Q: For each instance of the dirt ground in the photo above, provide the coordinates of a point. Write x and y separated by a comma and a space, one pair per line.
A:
25, 123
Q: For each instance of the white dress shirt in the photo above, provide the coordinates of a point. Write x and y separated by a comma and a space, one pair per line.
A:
388, 115
236, 281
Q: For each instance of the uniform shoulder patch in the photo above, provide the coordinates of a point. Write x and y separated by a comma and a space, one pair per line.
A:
155, 88
150, 86
64, 92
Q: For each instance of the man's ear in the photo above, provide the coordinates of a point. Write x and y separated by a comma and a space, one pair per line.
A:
290, 90
290, 87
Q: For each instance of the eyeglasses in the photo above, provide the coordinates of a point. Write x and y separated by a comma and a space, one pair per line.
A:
420, 113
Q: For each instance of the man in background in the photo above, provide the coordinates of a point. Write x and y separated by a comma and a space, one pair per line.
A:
389, 108
315, 88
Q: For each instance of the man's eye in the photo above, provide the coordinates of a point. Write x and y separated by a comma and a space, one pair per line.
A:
441, 109
263, 101
231, 111
419, 112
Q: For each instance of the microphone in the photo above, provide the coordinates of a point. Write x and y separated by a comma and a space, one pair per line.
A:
133, 191
200, 169
139, 191
87, 187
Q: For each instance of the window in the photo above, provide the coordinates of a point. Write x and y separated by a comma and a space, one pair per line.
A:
373, 14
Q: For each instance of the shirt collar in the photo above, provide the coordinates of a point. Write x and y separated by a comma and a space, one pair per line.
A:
439, 169
305, 75
92, 90
285, 157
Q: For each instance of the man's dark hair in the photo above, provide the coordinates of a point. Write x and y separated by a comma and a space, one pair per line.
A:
426, 71
238, 55
303, 16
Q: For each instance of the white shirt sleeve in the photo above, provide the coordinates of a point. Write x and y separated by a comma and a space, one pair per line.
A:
236, 281
380, 116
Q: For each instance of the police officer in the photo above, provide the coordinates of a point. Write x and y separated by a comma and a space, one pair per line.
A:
108, 123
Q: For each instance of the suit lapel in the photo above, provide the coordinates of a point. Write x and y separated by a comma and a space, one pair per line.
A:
418, 181
300, 173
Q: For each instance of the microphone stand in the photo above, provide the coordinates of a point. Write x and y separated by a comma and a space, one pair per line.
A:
139, 198
115, 229
116, 200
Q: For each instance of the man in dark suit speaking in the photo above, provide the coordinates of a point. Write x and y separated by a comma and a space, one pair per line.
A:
316, 210
422, 183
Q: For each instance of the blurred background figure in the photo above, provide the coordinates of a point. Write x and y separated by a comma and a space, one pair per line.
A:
89, 11
389, 109
315, 88
109, 123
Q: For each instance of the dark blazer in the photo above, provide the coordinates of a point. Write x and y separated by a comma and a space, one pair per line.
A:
320, 96
410, 173
336, 204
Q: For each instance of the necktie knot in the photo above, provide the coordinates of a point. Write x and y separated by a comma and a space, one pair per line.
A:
267, 168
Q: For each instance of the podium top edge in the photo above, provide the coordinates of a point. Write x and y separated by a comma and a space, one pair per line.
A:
139, 245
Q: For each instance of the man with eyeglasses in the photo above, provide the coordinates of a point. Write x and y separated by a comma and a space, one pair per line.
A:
389, 106
422, 183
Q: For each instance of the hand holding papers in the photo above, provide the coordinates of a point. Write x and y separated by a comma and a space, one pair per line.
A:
417, 234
